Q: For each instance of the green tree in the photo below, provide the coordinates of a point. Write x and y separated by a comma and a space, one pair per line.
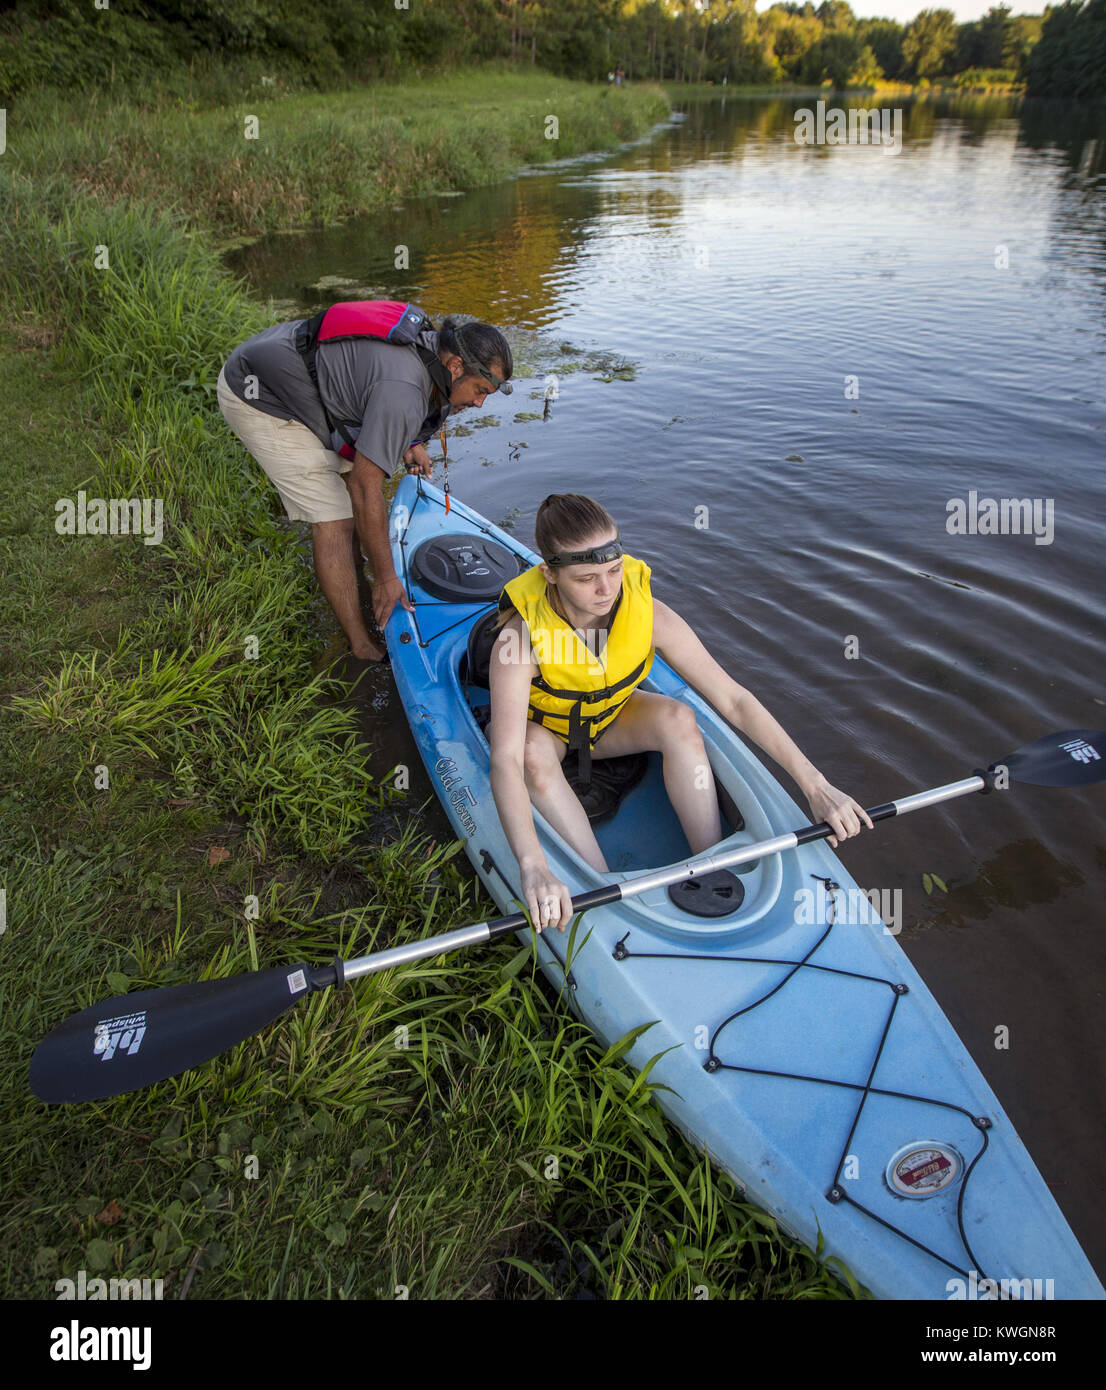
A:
1070, 58
790, 33
884, 37
836, 14
995, 38
1025, 34
737, 52
968, 47
928, 42
866, 71
999, 40
833, 58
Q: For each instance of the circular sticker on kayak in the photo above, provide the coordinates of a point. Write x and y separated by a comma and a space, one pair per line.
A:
923, 1169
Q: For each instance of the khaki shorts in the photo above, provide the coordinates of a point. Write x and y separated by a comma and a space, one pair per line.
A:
307, 476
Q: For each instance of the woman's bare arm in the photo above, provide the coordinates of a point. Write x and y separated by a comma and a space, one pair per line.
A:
510, 671
686, 654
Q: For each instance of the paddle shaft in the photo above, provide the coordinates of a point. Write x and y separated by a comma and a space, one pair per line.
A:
482, 932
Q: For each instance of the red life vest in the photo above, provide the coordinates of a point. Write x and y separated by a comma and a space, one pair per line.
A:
388, 321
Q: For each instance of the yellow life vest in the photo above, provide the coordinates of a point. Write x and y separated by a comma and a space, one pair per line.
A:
577, 694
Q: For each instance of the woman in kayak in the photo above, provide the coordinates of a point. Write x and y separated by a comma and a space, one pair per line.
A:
577, 639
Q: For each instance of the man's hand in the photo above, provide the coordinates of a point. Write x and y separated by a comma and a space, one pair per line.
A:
386, 594
370, 514
418, 461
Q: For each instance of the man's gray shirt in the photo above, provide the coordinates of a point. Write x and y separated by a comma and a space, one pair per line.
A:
379, 391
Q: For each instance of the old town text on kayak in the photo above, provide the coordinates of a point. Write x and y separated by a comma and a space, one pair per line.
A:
459, 794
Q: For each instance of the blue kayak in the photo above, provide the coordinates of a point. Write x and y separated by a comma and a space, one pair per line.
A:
801, 1049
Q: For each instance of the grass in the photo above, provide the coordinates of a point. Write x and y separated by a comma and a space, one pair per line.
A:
186, 799
315, 159
494, 1152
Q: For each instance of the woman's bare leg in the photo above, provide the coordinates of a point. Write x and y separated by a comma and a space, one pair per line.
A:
554, 798
649, 722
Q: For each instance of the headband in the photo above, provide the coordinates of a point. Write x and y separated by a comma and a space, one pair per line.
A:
599, 556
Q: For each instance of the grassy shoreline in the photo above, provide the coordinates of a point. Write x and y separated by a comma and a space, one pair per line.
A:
271, 161
186, 799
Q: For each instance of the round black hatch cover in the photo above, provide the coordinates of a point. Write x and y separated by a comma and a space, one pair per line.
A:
463, 568
714, 895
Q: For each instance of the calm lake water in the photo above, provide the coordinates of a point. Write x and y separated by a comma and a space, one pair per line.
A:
831, 345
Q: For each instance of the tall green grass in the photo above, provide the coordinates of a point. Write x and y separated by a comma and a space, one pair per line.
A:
316, 159
149, 330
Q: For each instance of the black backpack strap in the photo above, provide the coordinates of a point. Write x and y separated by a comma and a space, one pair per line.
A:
307, 345
437, 372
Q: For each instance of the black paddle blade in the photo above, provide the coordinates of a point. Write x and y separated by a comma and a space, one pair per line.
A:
134, 1040
1074, 758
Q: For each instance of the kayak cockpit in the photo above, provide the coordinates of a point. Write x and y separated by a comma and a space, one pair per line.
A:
629, 809
641, 831
634, 822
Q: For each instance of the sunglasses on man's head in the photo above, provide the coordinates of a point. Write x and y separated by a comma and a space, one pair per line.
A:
497, 383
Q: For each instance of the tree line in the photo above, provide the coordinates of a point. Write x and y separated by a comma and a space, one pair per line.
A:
71, 42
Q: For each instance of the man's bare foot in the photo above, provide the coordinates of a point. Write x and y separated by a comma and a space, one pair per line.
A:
368, 651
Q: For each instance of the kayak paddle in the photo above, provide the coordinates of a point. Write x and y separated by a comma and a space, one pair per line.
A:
134, 1040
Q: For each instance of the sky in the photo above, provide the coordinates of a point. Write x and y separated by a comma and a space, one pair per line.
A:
904, 10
